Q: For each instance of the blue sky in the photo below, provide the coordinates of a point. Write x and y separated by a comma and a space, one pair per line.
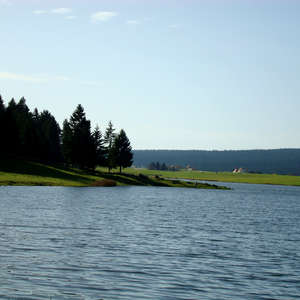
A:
189, 74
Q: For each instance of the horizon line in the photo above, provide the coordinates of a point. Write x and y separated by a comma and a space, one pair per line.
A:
254, 149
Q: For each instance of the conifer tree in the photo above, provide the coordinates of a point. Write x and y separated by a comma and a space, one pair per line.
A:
164, 167
152, 166
35, 114
2, 107
79, 138
49, 137
83, 144
77, 118
11, 128
2, 125
98, 150
24, 126
109, 140
67, 137
77, 133
37, 133
157, 166
122, 151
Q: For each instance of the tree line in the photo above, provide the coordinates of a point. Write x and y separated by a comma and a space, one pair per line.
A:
37, 135
162, 166
279, 161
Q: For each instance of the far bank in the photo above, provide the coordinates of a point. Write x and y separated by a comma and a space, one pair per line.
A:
222, 176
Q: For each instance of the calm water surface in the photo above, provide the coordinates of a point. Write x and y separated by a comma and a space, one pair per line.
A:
150, 243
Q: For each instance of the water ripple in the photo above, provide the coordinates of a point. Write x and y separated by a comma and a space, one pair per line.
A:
150, 243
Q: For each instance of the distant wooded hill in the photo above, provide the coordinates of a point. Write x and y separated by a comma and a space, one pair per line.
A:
279, 161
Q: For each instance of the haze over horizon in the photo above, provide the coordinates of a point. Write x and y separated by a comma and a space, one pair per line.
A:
183, 75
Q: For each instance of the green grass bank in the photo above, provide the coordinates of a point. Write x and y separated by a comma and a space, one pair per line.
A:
223, 176
21, 172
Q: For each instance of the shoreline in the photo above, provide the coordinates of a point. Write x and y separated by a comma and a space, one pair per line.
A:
164, 182
219, 181
223, 177
15, 172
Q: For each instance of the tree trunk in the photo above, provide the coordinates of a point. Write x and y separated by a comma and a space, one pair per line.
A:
120, 169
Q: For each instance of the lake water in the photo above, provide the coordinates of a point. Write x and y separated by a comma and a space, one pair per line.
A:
150, 243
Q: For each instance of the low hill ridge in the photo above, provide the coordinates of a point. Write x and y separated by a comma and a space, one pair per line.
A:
279, 161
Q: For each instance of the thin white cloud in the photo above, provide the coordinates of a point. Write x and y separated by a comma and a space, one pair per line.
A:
103, 16
61, 11
70, 17
21, 77
32, 78
39, 12
133, 22
45, 78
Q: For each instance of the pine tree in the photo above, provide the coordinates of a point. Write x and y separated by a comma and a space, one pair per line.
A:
77, 118
152, 166
84, 144
24, 126
109, 135
157, 166
49, 137
35, 114
98, 149
122, 151
38, 134
164, 167
78, 138
11, 136
2, 125
109, 140
67, 137
2, 108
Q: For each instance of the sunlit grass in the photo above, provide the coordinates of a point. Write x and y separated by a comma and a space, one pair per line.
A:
20, 172
223, 176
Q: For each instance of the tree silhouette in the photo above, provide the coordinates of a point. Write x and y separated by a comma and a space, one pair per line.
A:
37, 136
49, 137
2, 126
11, 130
109, 140
122, 151
98, 155
67, 137
77, 134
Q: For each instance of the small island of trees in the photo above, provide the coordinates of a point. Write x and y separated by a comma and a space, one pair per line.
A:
37, 136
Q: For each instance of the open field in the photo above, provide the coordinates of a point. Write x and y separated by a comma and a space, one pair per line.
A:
20, 172
223, 176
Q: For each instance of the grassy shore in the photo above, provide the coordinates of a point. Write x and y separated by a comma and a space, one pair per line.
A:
21, 172
223, 176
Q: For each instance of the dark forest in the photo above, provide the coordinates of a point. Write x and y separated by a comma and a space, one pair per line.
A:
37, 136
